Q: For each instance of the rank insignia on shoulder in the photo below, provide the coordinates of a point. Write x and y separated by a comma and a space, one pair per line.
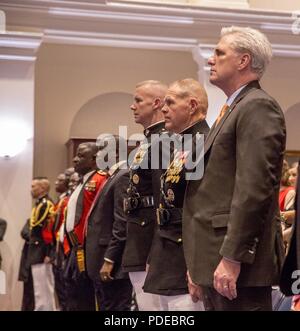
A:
135, 179
90, 186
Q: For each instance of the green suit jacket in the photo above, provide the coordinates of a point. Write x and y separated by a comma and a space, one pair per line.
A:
233, 210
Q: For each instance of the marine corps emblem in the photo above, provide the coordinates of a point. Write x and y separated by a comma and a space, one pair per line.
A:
135, 179
170, 195
140, 154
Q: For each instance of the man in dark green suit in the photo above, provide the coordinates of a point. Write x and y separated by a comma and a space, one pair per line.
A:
231, 230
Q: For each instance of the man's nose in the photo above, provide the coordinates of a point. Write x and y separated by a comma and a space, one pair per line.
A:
211, 60
75, 159
133, 107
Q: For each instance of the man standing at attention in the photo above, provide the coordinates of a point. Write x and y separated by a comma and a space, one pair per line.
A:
79, 288
231, 236
185, 112
143, 190
38, 247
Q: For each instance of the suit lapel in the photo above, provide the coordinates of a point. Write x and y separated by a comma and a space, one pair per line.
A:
108, 184
216, 129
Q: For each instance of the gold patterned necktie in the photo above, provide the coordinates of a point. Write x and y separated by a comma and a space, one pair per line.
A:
222, 113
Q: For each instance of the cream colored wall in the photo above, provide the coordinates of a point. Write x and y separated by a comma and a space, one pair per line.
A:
88, 122
67, 77
293, 122
289, 5
282, 81
16, 95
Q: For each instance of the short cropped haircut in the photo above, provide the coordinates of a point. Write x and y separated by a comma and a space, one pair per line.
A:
192, 88
155, 88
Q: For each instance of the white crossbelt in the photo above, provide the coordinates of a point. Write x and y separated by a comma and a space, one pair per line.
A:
72, 203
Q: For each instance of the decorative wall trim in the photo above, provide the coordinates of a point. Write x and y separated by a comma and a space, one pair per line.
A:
17, 46
119, 40
226, 3
143, 25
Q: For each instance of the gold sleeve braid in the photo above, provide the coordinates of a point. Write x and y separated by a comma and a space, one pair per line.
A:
35, 218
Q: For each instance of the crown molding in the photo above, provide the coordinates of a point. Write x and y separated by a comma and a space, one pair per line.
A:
244, 4
19, 46
144, 25
119, 40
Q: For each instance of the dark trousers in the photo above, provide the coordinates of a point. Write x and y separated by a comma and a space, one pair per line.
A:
80, 295
79, 289
28, 294
248, 299
115, 295
59, 285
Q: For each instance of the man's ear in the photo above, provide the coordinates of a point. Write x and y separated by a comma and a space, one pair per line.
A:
245, 60
156, 103
193, 105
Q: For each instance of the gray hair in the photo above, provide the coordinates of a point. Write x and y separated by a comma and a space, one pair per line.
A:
154, 88
152, 83
191, 87
253, 42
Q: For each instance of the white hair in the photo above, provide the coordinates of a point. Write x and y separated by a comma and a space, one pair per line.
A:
253, 42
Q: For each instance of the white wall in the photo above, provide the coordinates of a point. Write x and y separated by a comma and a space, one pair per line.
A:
16, 95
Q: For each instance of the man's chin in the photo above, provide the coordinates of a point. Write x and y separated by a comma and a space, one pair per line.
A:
168, 126
213, 80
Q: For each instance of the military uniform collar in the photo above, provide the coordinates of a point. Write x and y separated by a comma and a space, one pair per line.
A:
193, 128
116, 166
154, 128
87, 175
63, 195
39, 200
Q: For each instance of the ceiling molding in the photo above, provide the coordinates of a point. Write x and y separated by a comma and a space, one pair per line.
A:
144, 25
19, 46
119, 40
